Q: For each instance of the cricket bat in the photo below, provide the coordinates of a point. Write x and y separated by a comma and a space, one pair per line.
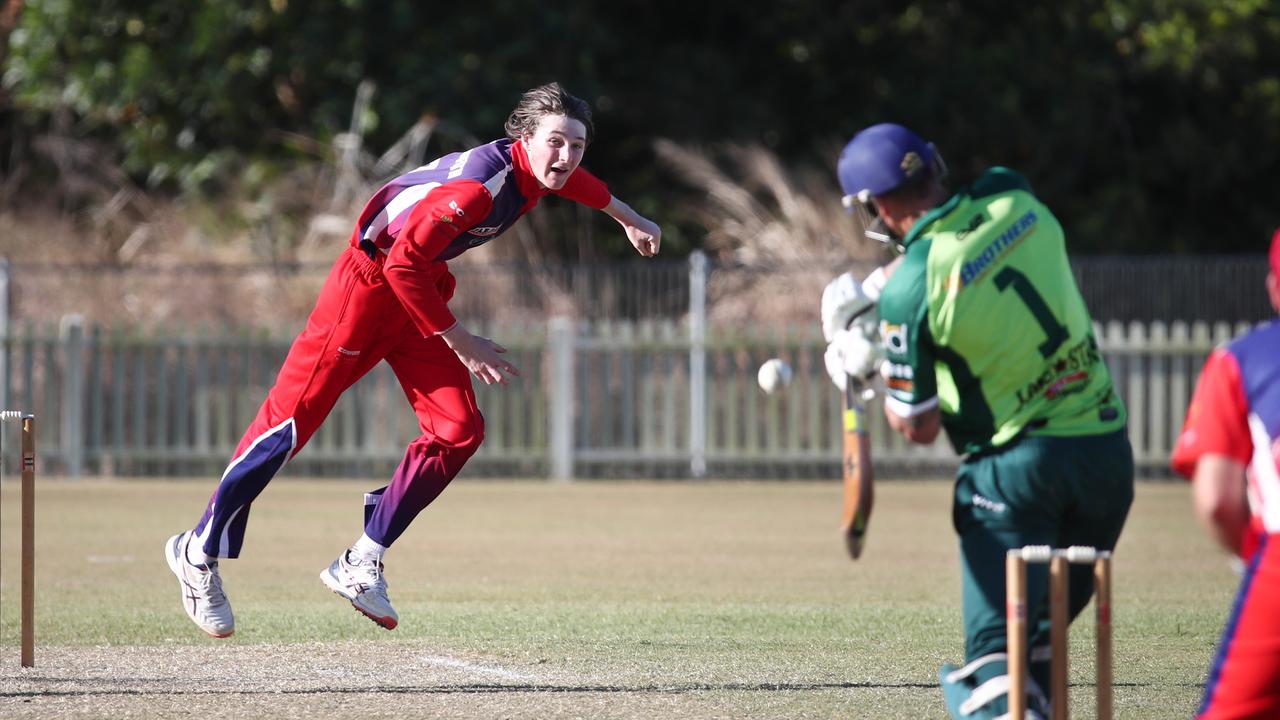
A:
859, 475
859, 491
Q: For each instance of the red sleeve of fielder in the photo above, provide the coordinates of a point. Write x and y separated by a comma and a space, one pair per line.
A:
419, 280
585, 188
1217, 419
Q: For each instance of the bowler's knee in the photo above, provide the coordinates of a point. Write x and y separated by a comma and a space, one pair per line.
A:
461, 435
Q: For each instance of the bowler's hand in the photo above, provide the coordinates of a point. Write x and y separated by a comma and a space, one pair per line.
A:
482, 356
645, 236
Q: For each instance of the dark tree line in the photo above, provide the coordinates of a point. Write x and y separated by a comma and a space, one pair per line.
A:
1152, 126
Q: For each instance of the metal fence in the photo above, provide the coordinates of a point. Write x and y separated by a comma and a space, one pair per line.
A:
278, 296
655, 398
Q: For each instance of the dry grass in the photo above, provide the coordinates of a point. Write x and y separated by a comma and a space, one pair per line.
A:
758, 212
258, 256
782, 228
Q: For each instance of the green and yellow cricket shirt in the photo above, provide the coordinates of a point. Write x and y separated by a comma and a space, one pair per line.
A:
984, 321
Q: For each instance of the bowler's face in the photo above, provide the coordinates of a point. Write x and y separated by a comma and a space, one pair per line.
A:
555, 149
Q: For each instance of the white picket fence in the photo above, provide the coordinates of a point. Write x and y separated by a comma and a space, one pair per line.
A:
1155, 367
607, 399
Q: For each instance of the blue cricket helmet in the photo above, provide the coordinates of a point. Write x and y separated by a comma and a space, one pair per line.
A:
881, 158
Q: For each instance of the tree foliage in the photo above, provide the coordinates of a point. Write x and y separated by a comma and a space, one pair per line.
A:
1149, 125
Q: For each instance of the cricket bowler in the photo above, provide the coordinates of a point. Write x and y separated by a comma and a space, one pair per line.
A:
387, 299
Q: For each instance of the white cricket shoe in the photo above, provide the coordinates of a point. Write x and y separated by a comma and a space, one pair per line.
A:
362, 583
202, 595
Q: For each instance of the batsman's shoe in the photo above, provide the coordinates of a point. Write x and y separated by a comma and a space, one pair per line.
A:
202, 595
980, 690
361, 582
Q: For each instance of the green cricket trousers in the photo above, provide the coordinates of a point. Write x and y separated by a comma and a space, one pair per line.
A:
1037, 490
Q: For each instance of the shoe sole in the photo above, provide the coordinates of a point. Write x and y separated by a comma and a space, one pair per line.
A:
386, 623
171, 557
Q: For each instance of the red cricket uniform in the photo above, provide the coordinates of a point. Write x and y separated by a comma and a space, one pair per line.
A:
387, 299
1236, 412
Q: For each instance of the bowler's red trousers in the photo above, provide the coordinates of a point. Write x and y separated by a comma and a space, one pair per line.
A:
357, 322
1244, 680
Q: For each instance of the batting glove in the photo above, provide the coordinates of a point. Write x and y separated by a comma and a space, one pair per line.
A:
844, 299
852, 353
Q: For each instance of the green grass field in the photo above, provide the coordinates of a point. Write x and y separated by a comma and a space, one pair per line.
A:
594, 599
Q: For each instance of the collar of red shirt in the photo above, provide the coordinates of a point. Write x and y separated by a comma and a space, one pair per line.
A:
528, 185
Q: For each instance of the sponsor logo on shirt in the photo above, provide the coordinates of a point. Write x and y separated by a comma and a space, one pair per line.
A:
1067, 384
901, 385
453, 205
975, 222
973, 270
899, 370
485, 231
899, 377
989, 504
1068, 374
895, 337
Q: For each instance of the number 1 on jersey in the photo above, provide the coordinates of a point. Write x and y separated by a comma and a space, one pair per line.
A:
1056, 333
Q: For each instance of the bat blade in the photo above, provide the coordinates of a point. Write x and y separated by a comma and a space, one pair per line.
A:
859, 487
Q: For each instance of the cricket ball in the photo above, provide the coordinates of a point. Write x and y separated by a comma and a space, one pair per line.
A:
774, 375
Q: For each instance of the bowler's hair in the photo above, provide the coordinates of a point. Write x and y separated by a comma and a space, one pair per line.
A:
549, 99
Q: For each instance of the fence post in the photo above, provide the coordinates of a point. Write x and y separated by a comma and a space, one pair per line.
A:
560, 343
1158, 381
4, 333
71, 335
1180, 367
698, 363
1137, 403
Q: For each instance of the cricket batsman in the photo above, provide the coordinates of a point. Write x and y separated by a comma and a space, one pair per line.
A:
387, 298
986, 336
